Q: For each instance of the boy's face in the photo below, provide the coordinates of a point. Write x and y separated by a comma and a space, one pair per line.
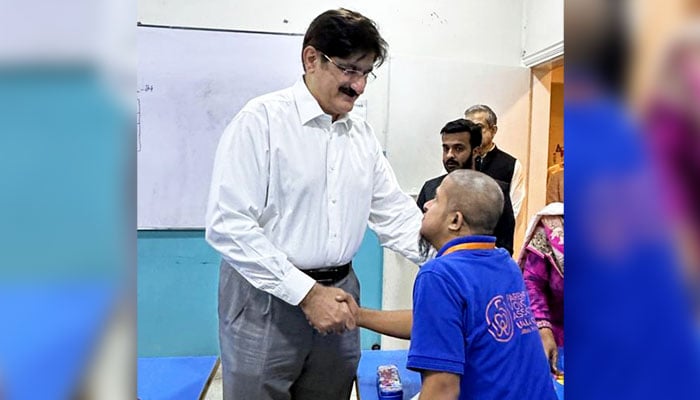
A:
436, 218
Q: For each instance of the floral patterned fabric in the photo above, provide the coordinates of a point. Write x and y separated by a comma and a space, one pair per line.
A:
542, 262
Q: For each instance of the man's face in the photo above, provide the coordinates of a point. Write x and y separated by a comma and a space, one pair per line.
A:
337, 92
435, 219
487, 132
456, 151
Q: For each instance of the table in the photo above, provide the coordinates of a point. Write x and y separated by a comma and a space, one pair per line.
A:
371, 359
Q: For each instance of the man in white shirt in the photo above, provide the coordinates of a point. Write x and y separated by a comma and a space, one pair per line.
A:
493, 161
296, 181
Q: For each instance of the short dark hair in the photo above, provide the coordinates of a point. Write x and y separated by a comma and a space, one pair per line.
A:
341, 33
491, 118
464, 125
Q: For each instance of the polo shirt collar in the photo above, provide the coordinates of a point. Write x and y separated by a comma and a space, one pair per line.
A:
475, 240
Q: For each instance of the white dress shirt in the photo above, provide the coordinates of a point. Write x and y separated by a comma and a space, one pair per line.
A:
517, 188
292, 190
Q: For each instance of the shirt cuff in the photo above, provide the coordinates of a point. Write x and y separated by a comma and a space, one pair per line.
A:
420, 363
294, 287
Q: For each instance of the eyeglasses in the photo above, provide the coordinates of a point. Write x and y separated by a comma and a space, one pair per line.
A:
352, 73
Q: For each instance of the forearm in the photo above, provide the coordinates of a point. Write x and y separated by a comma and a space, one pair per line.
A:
396, 220
534, 275
394, 216
396, 323
439, 386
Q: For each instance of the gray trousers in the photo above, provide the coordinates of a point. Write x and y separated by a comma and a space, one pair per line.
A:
270, 352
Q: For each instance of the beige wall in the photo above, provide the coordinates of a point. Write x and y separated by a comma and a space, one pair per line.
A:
546, 131
556, 125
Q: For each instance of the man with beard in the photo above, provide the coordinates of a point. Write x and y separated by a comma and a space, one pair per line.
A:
459, 138
472, 333
296, 181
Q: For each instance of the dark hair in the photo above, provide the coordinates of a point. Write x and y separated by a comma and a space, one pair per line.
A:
491, 118
464, 125
341, 33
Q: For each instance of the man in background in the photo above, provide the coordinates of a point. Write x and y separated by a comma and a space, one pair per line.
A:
459, 138
494, 162
297, 179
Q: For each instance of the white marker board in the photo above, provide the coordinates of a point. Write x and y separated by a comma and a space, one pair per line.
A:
191, 83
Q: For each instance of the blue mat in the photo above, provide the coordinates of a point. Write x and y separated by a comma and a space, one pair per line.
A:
371, 359
50, 332
174, 378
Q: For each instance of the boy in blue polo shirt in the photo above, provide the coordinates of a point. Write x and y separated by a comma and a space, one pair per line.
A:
472, 333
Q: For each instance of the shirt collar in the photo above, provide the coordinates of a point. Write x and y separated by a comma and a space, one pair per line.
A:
473, 239
309, 109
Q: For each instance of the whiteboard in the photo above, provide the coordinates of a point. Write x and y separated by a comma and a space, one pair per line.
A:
190, 84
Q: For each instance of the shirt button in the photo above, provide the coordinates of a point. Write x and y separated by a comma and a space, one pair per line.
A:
333, 201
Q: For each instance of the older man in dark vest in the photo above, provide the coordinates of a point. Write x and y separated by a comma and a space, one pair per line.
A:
494, 162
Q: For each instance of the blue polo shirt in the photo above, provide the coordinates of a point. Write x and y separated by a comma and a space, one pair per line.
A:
471, 317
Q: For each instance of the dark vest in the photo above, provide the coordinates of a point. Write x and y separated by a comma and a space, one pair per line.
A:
505, 228
499, 165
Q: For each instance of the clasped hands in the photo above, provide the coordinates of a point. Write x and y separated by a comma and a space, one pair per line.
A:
330, 309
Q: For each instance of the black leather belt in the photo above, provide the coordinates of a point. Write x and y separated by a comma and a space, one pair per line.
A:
329, 275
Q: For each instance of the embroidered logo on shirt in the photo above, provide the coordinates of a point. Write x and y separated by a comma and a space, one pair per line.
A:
505, 314
499, 319
522, 315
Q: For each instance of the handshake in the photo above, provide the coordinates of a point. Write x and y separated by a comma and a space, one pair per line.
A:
330, 309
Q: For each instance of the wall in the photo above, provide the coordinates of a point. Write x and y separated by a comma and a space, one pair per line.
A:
177, 292
543, 31
556, 125
546, 131
479, 32
453, 28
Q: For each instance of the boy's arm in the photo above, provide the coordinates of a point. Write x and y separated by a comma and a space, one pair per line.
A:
396, 323
439, 386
